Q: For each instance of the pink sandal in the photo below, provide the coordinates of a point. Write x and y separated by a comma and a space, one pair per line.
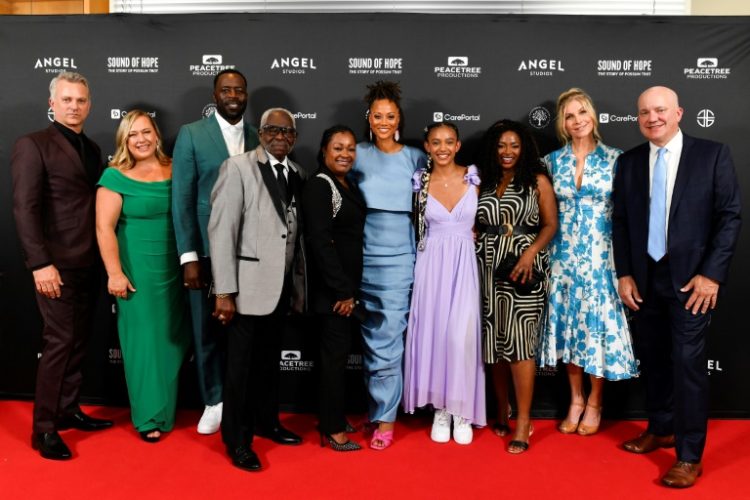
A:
385, 437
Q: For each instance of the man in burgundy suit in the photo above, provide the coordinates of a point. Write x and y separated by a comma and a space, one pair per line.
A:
55, 172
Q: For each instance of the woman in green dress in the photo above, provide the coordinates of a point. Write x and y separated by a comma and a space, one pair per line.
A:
137, 244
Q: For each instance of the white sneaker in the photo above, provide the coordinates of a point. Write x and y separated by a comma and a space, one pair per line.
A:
462, 432
211, 419
441, 427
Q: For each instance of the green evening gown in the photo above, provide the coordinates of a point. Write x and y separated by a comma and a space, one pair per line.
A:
152, 322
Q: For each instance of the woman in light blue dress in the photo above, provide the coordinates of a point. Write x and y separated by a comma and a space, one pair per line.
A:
383, 172
586, 323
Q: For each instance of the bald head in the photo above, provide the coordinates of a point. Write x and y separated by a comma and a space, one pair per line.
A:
659, 114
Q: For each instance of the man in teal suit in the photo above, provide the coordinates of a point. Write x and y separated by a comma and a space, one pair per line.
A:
200, 149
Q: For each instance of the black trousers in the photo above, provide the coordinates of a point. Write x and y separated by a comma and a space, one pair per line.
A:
671, 345
335, 344
251, 385
67, 324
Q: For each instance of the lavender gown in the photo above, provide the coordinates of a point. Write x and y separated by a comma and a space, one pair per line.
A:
443, 359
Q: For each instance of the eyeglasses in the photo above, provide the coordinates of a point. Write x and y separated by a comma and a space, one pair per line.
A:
273, 131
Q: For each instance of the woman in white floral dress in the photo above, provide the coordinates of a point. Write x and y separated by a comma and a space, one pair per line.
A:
586, 322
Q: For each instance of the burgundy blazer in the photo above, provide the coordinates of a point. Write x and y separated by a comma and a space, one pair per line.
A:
53, 201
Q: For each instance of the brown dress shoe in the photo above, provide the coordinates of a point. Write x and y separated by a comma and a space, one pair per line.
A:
682, 474
647, 442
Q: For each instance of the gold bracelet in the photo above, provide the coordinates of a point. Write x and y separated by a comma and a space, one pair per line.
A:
222, 295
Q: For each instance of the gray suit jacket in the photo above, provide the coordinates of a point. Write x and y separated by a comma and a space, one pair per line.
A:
247, 233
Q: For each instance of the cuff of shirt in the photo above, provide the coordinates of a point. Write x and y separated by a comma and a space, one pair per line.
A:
188, 257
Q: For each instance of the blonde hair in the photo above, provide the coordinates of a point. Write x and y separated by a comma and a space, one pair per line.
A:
574, 94
122, 159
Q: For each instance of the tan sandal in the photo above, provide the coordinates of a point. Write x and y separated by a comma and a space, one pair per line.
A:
569, 427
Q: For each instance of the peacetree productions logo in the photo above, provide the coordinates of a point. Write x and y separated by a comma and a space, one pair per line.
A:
705, 118
294, 65
541, 67
458, 67
376, 65
440, 116
623, 67
291, 361
133, 64
210, 65
55, 64
707, 68
539, 117
613, 118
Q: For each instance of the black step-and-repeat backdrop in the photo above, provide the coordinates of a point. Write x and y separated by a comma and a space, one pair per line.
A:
471, 70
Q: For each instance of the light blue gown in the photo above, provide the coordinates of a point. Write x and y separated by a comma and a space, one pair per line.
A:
389, 252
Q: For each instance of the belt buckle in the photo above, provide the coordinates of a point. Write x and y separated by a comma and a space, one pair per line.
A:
508, 229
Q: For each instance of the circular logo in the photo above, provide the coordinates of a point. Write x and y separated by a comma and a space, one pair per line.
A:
208, 110
706, 118
539, 117
50, 114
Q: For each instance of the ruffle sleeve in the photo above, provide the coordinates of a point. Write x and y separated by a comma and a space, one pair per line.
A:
416, 180
472, 175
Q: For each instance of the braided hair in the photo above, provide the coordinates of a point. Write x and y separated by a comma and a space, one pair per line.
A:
528, 166
384, 90
420, 199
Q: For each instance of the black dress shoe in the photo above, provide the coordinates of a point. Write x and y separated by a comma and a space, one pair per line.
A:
82, 422
280, 435
50, 445
245, 458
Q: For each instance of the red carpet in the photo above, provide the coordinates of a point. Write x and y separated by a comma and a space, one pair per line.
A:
116, 464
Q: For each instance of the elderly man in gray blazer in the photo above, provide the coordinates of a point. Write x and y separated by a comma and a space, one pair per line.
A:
258, 271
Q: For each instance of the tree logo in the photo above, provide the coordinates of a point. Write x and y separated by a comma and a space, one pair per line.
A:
539, 117
291, 355
208, 110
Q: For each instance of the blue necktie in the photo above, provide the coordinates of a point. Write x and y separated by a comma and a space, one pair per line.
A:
657, 219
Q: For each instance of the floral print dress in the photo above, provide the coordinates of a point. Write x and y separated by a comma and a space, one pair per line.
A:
585, 323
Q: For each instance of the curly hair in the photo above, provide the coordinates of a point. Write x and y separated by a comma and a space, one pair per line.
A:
122, 159
420, 199
528, 166
384, 90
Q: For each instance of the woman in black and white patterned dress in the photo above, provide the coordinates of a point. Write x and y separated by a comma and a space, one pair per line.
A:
516, 219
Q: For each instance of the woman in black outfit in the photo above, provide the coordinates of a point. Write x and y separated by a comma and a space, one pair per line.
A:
334, 222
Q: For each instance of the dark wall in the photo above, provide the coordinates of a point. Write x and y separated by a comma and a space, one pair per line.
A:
472, 70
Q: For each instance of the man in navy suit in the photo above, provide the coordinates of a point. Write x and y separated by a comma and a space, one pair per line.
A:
675, 226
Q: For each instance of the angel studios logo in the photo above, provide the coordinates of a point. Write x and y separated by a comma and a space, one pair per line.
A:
293, 65
55, 64
291, 361
457, 67
541, 67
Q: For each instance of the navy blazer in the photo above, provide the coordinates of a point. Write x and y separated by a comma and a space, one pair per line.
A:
704, 217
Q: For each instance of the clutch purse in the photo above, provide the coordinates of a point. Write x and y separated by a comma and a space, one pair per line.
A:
505, 267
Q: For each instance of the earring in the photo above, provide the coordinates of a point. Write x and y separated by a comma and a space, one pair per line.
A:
370, 135
397, 136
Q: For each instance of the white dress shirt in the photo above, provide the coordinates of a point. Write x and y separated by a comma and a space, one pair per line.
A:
672, 158
234, 135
